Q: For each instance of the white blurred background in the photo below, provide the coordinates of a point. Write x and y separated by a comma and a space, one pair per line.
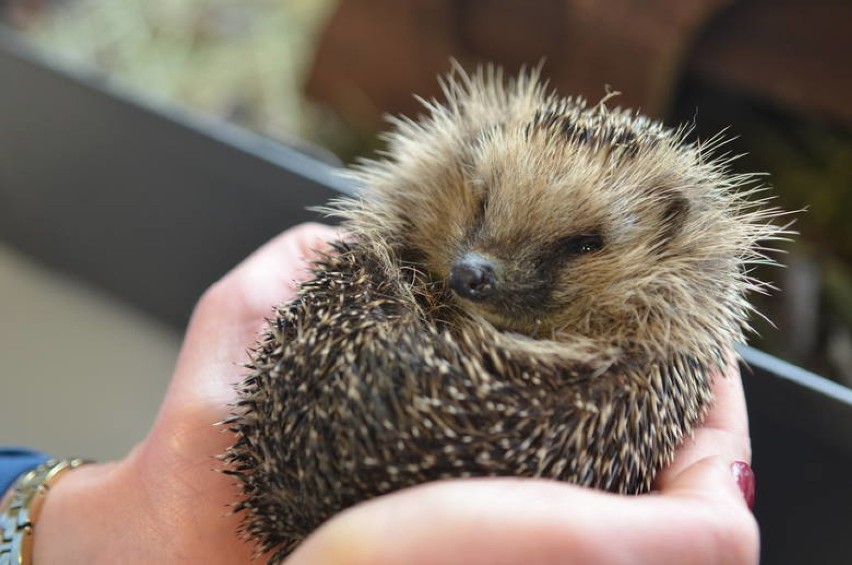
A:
82, 374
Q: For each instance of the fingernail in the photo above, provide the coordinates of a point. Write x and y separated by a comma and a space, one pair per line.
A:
745, 480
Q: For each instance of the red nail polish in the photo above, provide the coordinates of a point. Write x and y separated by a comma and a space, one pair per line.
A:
745, 480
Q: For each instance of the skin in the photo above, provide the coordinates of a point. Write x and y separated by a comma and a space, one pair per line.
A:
164, 503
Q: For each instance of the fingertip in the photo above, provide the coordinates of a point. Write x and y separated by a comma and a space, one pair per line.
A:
298, 243
714, 479
346, 538
269, 275
313, 235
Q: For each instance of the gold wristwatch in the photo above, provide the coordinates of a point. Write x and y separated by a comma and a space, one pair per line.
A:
22, 507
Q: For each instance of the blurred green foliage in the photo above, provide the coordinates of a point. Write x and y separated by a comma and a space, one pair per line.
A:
244, 61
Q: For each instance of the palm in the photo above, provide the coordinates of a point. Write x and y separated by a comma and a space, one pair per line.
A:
183, 504
184, 443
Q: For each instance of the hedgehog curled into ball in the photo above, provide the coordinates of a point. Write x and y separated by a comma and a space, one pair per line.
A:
533, 287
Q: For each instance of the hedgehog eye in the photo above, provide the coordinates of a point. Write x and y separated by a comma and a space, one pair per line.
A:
479, 219
583, 244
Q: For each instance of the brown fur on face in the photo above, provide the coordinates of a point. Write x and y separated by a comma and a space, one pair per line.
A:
519, 176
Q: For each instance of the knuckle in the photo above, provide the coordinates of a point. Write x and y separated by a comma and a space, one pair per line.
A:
212, 299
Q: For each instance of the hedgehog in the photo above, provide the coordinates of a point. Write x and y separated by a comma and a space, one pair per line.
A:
529, 285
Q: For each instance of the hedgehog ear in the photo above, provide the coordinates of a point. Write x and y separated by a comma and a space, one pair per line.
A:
673, 218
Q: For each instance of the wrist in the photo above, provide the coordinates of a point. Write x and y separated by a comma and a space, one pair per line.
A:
79, 518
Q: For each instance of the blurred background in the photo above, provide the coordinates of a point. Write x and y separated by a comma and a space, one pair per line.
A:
320, 75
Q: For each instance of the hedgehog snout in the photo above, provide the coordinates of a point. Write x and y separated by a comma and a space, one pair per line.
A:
473, 277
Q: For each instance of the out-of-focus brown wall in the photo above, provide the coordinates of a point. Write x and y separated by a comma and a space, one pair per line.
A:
375, 53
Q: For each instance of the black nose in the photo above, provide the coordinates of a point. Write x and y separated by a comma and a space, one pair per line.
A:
472, 277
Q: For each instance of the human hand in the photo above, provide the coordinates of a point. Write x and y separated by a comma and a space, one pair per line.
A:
163, 502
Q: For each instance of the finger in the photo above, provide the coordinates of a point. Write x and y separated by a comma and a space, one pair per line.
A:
729, 411
510, 521
268, 276
714, 483
223, 326
723, 434
228, 318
